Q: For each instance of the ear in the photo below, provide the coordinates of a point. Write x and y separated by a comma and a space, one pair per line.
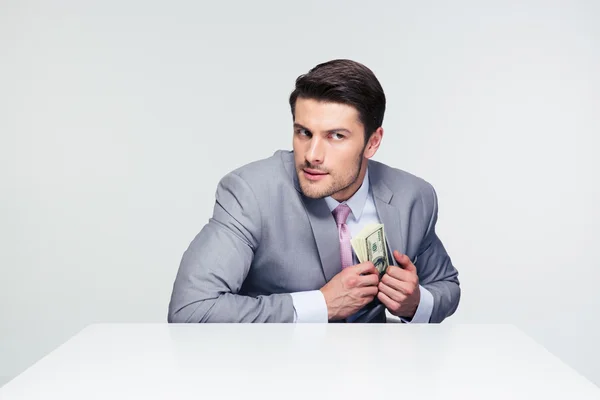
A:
373, 143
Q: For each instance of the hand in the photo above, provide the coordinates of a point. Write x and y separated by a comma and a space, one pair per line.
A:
399, 288
350, 290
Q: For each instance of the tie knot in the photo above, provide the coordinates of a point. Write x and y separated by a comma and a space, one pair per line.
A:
340, 213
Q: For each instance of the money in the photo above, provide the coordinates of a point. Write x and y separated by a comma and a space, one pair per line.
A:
370, 245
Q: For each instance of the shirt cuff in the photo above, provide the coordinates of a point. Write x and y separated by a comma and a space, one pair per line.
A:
309, 307
424, 310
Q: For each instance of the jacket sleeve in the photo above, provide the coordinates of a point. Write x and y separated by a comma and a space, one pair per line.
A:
434, 266
216, 263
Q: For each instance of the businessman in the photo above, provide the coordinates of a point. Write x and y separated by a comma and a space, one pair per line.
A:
277, 247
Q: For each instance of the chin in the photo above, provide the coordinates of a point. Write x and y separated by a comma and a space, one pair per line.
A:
312, 195
313, 191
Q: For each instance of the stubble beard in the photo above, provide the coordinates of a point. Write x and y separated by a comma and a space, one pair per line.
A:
311, 189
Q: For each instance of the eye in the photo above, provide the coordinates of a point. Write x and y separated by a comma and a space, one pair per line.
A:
337, 136
303, 132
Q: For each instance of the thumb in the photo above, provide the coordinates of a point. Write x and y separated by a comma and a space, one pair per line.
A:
404, 261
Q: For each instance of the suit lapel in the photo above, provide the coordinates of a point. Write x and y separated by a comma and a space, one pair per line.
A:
322, 223
326, 236
388, 216
387, 213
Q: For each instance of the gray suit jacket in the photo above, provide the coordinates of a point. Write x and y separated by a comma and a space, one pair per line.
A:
266, 240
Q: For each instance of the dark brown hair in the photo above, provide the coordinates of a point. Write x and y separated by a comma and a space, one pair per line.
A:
347, 82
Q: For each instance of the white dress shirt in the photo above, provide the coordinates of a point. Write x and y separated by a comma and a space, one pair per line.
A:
310, 306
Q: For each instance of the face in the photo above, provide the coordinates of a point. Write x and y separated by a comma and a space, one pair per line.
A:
329, 149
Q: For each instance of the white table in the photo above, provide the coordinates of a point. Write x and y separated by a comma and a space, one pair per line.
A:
280, 361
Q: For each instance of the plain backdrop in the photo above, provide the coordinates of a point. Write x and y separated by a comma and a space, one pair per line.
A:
119, 117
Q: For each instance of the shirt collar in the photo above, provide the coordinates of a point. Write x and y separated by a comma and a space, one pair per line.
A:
356, 202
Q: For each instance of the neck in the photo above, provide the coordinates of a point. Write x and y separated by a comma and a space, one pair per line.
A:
348, 192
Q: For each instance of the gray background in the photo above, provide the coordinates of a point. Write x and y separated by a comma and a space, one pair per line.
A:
118, 118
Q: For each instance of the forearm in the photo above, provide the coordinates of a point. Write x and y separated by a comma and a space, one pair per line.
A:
446, 296
229, 307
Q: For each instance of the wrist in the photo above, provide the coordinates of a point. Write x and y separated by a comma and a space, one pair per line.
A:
412, 309
323, 291
330, 313
410, 313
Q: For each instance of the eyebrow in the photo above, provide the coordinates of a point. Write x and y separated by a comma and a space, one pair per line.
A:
297, 125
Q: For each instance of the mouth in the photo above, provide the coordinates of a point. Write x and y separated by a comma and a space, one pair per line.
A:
313, 174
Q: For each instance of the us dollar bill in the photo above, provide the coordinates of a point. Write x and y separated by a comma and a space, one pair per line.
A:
370, 245
376, 250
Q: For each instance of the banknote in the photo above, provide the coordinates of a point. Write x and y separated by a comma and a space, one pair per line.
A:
370, 245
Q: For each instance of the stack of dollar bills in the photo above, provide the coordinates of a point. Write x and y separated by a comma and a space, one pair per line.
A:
370, 245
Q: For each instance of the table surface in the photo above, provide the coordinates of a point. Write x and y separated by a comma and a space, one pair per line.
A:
283, 361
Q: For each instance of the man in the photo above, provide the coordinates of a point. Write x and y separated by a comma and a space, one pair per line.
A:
277, 248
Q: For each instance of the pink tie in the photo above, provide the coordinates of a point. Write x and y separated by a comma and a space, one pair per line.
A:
340, 214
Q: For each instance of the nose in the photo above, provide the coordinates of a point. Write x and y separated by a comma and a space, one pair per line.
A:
316, 151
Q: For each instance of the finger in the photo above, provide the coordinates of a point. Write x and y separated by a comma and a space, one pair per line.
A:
369, 291
404, 261
365, 268
406, 288
392, 293
387, 302
368, 280
401, 274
